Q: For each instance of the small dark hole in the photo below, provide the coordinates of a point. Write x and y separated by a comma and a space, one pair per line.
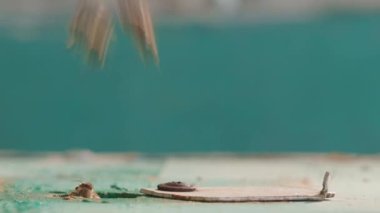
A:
113, 195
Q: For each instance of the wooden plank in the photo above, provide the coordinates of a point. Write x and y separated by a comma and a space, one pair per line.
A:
32, 179
240, 194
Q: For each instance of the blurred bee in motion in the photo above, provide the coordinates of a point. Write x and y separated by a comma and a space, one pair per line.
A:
92, 28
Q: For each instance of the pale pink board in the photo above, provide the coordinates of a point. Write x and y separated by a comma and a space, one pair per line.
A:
240, 194
246, 194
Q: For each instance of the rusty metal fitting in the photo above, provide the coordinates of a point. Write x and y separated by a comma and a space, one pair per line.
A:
176, 186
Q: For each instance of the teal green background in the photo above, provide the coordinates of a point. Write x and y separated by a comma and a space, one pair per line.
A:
311, 85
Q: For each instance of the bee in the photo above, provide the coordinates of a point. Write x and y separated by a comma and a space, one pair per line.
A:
83, 190
92, 27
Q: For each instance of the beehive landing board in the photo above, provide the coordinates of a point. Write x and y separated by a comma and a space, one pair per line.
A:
28, 180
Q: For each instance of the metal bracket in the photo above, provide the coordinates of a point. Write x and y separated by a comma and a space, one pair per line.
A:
325, 187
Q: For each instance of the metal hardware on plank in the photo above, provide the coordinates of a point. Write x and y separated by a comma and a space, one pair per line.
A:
176, 187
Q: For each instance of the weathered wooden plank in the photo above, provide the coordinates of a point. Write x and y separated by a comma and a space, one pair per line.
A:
32, 179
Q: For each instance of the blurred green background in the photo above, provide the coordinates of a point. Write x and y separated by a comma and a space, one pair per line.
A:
310, 85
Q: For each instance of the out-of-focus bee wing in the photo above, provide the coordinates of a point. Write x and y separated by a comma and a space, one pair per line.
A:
135, 17
91, 29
